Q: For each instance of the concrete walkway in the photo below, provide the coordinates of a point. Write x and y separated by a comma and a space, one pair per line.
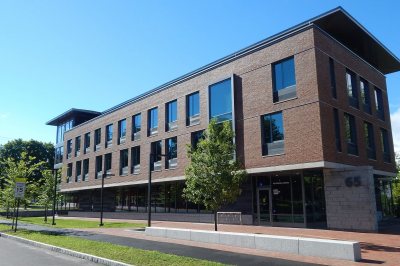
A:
137, 239
377, 248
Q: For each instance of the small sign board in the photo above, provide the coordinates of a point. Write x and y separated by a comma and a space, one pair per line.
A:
19, 188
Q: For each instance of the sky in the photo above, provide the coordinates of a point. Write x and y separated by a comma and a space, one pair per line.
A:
57, 55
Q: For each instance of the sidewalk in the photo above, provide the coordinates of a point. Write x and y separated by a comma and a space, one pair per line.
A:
377, 248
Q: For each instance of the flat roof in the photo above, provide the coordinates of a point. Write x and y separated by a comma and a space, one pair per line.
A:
71, 113
337, 23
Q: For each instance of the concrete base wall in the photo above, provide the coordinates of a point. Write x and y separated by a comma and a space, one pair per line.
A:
175, 217
350, 199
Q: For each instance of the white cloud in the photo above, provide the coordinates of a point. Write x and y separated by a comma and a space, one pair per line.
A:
395, 118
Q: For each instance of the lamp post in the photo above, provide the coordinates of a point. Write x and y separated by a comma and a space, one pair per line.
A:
54, 196
151, 160
101, 196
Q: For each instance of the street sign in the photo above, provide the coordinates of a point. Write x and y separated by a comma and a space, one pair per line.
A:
19, 191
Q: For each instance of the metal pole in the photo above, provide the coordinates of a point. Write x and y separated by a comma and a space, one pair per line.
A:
101, 199
16, 218
13, 221
149, 192
54, 196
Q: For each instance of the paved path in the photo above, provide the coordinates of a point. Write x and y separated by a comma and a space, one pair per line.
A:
18, 254
170, 248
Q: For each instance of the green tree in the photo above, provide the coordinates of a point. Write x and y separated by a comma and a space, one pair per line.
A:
396, 187
213, 177
46, 192
36, 150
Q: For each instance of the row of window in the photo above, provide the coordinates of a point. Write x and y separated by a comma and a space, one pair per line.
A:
356, 90
351, 137
104, 163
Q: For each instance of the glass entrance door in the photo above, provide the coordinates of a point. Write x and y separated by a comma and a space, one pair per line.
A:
263, 206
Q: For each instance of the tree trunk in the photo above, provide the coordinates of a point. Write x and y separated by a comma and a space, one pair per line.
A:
8, 210
215, 221
45, 214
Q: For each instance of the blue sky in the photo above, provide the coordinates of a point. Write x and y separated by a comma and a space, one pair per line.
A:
55, 55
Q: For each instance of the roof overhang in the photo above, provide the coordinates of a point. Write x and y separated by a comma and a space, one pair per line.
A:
71, 114
344, 28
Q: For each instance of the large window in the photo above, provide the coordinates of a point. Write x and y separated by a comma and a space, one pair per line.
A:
351, 134
69, 172
97, 139
332, 77
123, 162
69, 148
171, 146
121, 131
369, 140
338, 139
109, 135
135, 160
108, 163
365, 96
193, 109
156, 150
99, 166
385, 146
272, 134
196, 137
153, 121
85, 170
220, 95
379, 104
77, 146
62, 128
284, 79
171, 115
59, 155
352, 91
78, 171
136, 126
87, 143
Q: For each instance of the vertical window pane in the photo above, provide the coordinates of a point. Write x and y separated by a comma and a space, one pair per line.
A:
193, 104
369, 140
351, 135
171, 111
221, 100
284, 80
332, 77
337, 130
272, 134
122, 128
109, 132
379, 104
385, 146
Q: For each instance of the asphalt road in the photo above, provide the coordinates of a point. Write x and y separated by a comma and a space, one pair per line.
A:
13, 253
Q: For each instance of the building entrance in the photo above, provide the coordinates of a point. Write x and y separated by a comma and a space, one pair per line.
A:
264, 206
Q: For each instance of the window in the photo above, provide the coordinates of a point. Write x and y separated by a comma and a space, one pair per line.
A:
369, 140
193, 109
352, 89
272, 134
156, 148
99, 166
365, 97
121, 131
85, 170
171, 115
332, 77
78, 171
196, 137
284, 79
136, 126
69, 148
153, 121
62, 128
385, 146
87, 143
108, 163
171, 152
69, 172
77, 146
135, 160
351, 134
109, 135
338, 139
221, 101
97, 139
59, 155
123, 162
379, 104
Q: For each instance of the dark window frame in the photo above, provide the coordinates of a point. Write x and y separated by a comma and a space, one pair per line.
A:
152, 121
171, 160
171, 107
272, 144
136, 129
282, 92
135, 160
369, 140
122, 131
351, 134
338, 138
193, 108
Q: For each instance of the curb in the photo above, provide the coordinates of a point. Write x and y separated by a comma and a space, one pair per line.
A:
65, 251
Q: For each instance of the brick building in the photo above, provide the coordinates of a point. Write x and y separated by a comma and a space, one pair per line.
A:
310, 111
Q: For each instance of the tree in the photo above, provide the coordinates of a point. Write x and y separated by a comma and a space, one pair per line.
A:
213, 177
396, 187
46, 191
36, 150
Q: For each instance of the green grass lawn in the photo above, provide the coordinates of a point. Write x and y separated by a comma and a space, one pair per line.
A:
106, 250
74, 223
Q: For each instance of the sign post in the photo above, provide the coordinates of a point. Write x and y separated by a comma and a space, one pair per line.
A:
18, 194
